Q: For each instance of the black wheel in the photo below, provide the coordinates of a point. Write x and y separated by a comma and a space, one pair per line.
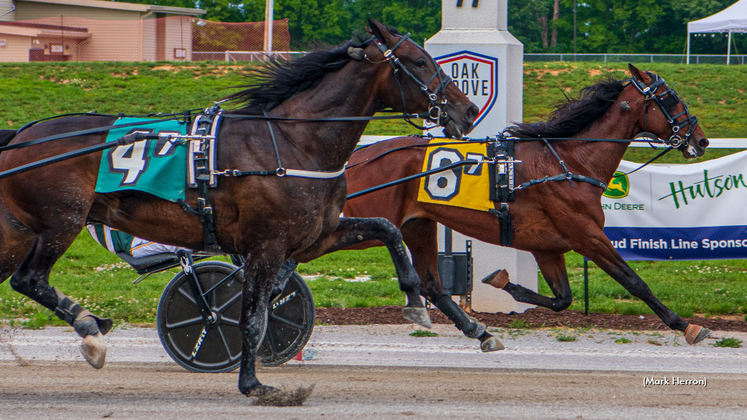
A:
290, 323
185, 336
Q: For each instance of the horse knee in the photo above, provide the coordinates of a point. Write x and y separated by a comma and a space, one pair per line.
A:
431, 288
389, 230
562, 303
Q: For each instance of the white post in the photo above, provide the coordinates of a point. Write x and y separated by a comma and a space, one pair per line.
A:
268, 26
475, 48
728, 49
688, 44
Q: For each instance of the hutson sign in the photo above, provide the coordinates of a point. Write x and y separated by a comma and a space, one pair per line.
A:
476, 75
679, 212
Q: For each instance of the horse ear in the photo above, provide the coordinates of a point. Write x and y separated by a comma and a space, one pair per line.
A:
643, 77
379, 31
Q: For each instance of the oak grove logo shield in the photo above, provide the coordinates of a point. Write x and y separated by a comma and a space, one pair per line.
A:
619, 186
476, 75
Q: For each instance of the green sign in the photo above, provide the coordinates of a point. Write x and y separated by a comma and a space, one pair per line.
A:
158, 167
619, 186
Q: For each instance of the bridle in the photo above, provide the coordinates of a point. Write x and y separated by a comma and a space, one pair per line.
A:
666, 101
437, 110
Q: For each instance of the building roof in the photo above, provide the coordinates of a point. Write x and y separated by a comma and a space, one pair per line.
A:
116, 5
36, 30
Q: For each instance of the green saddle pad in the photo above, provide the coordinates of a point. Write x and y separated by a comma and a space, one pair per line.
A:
156, 167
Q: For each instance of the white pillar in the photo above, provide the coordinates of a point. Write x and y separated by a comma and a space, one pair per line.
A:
728, 49
475, 48
688, 44
268, 25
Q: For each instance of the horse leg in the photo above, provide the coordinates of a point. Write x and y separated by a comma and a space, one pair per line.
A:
259, 280
353, 230
600, 250
420, 235
553, 270
32, 279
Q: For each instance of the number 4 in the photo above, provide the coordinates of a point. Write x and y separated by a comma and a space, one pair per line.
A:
129, 160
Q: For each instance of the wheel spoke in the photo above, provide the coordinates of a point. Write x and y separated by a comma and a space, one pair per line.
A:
229, 303
270, 342
224, 341
230, 321
188, 295
285, 321
185, 323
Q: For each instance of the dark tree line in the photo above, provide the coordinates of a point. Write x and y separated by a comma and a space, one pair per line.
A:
616, 26
602, 26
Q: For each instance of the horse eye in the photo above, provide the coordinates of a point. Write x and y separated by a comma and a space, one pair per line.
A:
420, 63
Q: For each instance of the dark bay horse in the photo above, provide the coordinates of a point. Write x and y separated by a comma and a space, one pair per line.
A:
549, 219
267, 219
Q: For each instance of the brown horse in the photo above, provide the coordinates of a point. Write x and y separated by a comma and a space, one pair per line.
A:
268, 219
550, 218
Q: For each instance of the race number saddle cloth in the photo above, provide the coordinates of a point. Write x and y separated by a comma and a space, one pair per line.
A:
486, 185
162, 167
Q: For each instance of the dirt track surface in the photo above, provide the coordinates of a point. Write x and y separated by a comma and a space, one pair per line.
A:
127, 391
382, 372
535, 318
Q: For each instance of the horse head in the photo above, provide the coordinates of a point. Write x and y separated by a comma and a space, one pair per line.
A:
667, 116
415, 82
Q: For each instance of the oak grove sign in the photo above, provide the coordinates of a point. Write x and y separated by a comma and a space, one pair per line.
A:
476, 75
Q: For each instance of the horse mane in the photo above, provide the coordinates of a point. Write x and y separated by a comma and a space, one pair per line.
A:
6, 136
573, 115
278, 80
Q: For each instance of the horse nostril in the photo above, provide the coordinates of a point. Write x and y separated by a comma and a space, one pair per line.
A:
472, 113
704, 142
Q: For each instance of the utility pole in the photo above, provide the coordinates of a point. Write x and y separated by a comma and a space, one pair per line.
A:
268, 26
575, 4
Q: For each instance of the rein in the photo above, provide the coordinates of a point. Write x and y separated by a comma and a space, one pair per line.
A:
186, 115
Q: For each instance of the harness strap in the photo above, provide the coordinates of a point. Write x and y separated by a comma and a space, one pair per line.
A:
205, 124
282, 172
564, 177
82, 133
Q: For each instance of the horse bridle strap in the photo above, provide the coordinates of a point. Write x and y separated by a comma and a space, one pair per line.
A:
437, 111
666, 101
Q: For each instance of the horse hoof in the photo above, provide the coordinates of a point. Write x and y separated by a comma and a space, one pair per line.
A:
694, 334
491, 344
93, 350
498, 279
418, 316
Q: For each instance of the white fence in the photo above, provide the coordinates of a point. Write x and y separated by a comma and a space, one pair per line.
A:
715, 143
640, 58
236, 56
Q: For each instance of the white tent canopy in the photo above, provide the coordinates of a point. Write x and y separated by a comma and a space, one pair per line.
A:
731, 19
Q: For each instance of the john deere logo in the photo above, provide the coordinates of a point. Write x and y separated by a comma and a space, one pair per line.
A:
619, 186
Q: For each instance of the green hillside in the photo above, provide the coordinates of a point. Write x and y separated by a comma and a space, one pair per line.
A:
36, 90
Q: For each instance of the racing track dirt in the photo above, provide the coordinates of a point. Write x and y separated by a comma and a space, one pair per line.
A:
131, 391
531, 318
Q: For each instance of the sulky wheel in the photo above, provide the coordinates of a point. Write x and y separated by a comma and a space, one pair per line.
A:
185, 336
290, 323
